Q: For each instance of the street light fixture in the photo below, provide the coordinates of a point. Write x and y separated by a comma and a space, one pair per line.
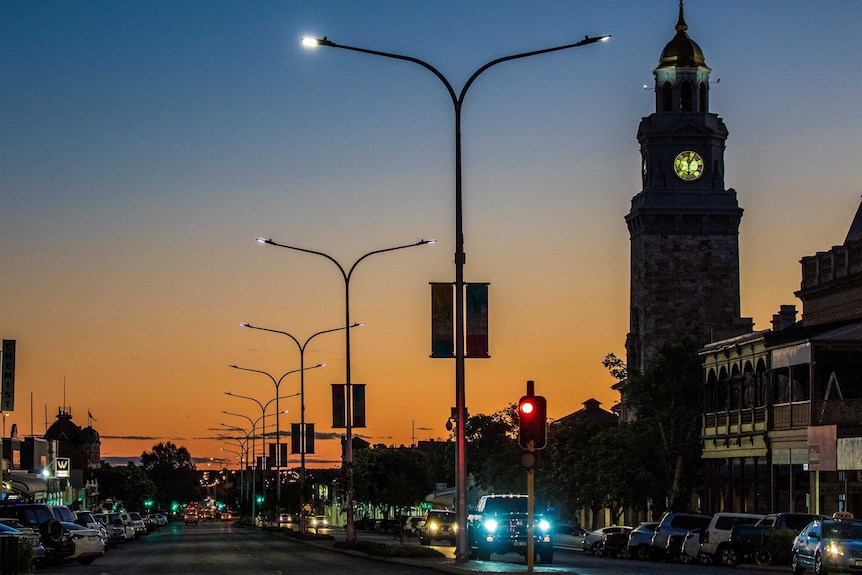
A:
460, 396
277, 383
348, 440
301, 347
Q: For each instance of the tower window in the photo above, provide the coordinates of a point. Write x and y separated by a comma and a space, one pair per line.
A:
685, 97
704, 97
666, 97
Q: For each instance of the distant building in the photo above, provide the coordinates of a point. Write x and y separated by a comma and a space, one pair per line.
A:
82, 445
591, 415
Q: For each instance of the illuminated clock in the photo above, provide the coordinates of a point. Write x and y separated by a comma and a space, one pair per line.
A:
688, 166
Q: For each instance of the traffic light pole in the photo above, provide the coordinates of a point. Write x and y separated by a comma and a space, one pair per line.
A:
531, 510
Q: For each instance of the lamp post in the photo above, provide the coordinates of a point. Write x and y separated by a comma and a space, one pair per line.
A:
460, 397
301, 347
253, 470
277, 383
262, 418
348, 433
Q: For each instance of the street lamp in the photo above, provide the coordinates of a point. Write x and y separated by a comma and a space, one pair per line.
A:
460, 398
277, 383
348, 433
302, 444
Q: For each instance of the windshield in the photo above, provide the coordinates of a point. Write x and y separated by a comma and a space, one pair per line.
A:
842, 530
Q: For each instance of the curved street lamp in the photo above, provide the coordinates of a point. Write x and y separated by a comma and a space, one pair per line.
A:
460, 397
277, 383
301, 347
348, 433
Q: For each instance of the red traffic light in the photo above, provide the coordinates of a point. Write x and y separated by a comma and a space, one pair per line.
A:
532, 422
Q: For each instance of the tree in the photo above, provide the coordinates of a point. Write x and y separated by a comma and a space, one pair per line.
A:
668, 400
391, 478
493, 454
128, 486
173, 472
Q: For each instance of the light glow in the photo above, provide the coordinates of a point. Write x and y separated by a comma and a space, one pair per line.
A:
310, 42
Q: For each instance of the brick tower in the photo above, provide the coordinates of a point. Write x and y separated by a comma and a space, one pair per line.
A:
684, 224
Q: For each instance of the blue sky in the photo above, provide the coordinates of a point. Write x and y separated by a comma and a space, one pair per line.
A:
144, 145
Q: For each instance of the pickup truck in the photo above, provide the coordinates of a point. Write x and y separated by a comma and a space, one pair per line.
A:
745, 541
499, 525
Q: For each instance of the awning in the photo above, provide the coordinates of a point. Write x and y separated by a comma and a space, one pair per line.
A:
28, 484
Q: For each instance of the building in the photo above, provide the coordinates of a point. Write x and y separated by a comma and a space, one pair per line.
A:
684, 223
782, 425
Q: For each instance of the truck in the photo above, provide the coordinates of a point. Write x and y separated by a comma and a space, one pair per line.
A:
745, 544
499, 525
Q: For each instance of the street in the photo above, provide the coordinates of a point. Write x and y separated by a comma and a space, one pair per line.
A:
223, 547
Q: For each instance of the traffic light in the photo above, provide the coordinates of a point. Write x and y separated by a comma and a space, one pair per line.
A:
532, 421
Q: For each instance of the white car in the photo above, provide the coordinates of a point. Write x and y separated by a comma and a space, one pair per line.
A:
591, 539
88, 543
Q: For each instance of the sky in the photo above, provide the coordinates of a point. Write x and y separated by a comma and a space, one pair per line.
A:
145, 145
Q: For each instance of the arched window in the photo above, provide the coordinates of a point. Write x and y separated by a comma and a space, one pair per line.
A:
685, 96
667, 97
703, 97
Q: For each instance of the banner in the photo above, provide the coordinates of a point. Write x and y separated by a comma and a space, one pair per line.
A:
278, 463
339, 413
358, 392
442, 320
477, 320
308, 438
301, 442
7, 400
295, 438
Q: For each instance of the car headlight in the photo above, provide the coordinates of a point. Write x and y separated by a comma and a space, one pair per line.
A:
433, 527
834, 549
544, 525
490, 525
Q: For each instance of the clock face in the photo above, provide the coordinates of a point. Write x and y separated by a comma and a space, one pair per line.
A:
688, 166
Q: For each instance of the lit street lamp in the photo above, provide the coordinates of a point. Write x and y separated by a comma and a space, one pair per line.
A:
277, 383
348, 440
460, 397
302, 444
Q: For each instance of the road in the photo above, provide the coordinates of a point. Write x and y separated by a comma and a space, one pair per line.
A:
225, 548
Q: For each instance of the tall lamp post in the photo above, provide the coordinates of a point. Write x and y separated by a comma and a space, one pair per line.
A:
277, 383
301, 347
253, 468
460, 398
348, 433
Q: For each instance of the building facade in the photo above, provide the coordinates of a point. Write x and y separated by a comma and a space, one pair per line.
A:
782, 425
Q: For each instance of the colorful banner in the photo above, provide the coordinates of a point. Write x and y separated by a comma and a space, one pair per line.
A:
7, 399
442, 320
477, 320
339, 413
358, 392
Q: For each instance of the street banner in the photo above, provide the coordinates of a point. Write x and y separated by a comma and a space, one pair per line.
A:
295, 438
358, 392
339, 413
442, 320
7, 392
477, 320
308, 438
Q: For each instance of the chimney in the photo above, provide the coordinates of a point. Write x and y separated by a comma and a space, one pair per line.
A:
785, 317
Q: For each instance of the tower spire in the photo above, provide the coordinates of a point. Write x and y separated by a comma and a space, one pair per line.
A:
681, 26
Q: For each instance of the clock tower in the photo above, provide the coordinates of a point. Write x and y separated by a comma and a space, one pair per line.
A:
684, 224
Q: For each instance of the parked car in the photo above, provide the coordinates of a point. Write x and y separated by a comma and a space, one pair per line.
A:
134, 519
690, 551
592, 539
670, 533
613, 543
88, 544
714, 541
114, 523
568, 536
86, 519
745, 541
56, 540
10, 526
827, 545
386, 526
439, 525
640, 540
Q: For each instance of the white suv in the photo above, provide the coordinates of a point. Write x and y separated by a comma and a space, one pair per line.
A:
717, 533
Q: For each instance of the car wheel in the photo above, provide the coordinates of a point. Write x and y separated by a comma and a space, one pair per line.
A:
644, 552
703, 558
819, 568
727, 557
795, 568
86, 560
763, 558
599, 551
